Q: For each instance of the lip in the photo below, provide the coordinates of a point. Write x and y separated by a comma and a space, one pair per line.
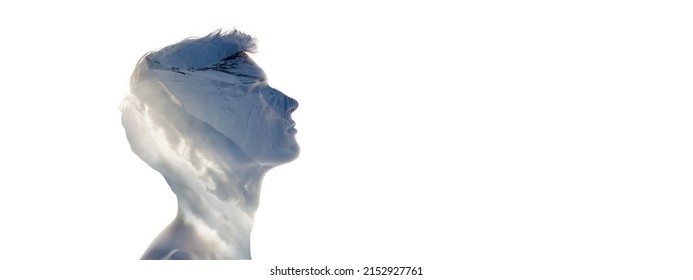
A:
292, 127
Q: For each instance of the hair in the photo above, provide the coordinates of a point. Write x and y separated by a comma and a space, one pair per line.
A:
196, 53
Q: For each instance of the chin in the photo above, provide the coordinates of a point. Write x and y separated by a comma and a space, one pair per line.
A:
279, 157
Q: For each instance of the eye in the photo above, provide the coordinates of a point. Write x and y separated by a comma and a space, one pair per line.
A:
256, 87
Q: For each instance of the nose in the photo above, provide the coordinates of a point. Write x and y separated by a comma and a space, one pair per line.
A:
292, 104
283, 103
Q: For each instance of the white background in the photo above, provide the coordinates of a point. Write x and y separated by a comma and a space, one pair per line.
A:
479, 140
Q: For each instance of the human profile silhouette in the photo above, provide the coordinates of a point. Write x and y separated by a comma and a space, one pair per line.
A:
202, 114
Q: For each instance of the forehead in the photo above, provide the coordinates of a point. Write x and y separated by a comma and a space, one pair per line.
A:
237, 69
231, 76
241, 66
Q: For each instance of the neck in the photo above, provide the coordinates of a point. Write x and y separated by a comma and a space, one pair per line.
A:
219, 212
216, 207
